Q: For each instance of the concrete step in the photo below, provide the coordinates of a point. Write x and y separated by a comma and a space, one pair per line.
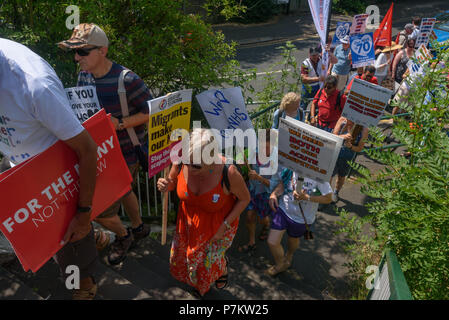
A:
11, 288
113, 286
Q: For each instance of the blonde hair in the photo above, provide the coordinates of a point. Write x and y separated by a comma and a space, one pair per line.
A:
289, 99
200, 139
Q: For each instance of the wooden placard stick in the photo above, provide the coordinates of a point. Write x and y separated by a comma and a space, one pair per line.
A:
165, 210
355, 133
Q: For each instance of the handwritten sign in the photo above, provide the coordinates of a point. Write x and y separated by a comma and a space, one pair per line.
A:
358, 24
362, 50
366, 103
425, 31
309, 151
83, 101
225, 109
40, 195
341, 31
167, 114
422, 56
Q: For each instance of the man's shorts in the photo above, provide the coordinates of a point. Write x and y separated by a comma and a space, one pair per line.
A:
282, 222
113, 210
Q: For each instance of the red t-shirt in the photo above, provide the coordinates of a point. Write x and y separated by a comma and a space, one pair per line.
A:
373, 80
328, 112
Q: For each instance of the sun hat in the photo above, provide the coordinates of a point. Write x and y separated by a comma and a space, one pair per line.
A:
394, 46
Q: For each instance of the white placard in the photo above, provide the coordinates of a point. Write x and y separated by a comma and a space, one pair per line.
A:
366, 103
309, 151
358, 24
83, 101
425, 30
225, 109
320, 12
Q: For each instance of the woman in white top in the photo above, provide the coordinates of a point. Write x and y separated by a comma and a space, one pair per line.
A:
383, 62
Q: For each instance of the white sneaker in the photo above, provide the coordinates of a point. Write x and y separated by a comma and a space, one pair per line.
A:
335, 196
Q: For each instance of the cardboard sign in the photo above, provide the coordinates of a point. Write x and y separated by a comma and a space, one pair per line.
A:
167, 114
341, 31
362, 50
84, 101
309, 151
40, 195
358, 24
422, 55
225, 109
366, 103
425, 31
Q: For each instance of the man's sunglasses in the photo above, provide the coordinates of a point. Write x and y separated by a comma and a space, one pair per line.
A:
85, 51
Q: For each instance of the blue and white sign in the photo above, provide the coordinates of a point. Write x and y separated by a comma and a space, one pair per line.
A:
362, 50
341, 31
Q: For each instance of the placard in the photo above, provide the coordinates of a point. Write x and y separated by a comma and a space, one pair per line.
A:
83, 101
341, 31
307, 150
425, 31
358, 23
366, 103
225, 109
362, 50
167, 114
40, 195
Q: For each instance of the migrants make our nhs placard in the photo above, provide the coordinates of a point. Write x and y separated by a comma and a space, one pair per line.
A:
40, 195
83, 101
366, 103
167, 113
225, 109
309, 151
362, 50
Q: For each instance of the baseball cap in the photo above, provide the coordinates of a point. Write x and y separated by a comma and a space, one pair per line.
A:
83, 35
345, 39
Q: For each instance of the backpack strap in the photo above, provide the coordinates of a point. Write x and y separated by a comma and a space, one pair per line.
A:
280, 115
338, 102
124, 105
225, 179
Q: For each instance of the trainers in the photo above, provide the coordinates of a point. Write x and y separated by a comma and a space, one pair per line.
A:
119, 248
85, 294
335, 195
141, 232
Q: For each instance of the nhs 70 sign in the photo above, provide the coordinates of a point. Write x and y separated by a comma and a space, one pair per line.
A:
362, 50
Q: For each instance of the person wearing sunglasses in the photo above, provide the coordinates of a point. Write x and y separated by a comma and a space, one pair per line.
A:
327, 105
212, 196
368, 75
89, 45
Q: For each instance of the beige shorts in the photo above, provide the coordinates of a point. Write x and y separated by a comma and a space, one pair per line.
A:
114, 209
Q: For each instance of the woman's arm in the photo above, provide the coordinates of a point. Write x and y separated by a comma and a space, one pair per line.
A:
323, 199
169, 184
396, 61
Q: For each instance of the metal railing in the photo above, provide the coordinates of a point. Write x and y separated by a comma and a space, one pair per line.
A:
390, 284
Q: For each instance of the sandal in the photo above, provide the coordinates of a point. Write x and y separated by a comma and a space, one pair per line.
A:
223, 278
264, 234
247, 248
274, 270
102, 239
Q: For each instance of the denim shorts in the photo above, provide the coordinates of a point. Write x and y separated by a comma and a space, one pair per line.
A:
282, 222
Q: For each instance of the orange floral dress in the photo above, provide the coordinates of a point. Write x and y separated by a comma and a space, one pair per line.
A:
194, 258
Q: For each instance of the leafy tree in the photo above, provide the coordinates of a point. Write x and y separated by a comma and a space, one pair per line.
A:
409, 213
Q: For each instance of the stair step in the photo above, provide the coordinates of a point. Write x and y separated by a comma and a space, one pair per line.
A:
11, 288
158, 287
112, 286
47, 281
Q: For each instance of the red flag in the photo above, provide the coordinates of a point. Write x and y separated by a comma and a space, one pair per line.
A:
382, 36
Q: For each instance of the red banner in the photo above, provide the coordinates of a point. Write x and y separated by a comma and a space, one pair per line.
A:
41, 194
382, 36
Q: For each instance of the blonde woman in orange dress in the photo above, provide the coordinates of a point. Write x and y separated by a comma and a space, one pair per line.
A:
212, 197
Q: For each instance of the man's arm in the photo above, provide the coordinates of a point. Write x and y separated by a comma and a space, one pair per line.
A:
131, 121
86, 150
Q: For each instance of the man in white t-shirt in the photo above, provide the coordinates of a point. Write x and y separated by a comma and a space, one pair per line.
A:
294, 213
35, 113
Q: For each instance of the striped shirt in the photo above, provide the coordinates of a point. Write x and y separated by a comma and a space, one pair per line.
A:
137, 95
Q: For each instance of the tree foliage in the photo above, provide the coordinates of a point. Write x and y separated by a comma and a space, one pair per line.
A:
410, 211
166, 48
